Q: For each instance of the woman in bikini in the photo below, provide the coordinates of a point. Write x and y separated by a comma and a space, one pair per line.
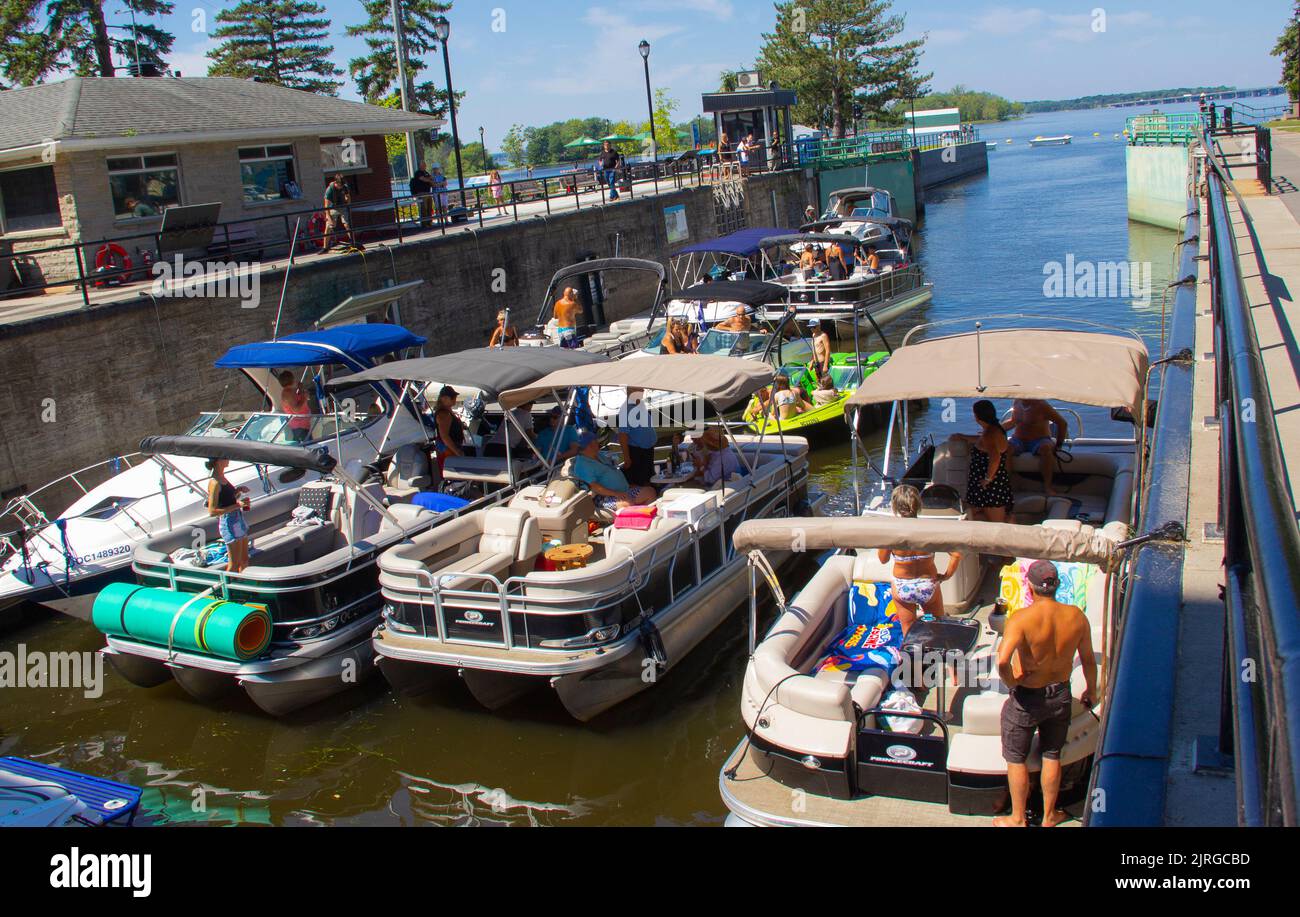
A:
915, 578
988, 485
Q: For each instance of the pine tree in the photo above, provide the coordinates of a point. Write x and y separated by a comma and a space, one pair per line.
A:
834, 53
376, 73
276, 41
43, 37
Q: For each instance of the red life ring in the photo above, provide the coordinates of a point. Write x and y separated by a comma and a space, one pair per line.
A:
112, 264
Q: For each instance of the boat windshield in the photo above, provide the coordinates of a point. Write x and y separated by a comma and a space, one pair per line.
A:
274, 428
733, 343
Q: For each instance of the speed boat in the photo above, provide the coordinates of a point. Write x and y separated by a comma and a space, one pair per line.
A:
878, 732
1061, 140
824, 418
477, 599
293, 628
599, 294
62, 559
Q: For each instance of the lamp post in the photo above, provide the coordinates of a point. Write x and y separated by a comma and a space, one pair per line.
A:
644, 48
442, 28
482, 143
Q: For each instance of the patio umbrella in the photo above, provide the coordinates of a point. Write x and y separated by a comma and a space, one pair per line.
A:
619, 138
581, 142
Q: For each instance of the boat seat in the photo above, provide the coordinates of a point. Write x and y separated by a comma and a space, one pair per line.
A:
293, 544
866, 688
562, 509
409, 473
951, 464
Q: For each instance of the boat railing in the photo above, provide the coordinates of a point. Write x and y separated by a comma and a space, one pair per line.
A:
518, 597
871, 290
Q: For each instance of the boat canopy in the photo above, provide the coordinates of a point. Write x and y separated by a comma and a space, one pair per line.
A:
800, 238
743, 243
1084, 544
240, 450
596, 265
491, 370
720, 380
749, 292
1103, 370
349, 345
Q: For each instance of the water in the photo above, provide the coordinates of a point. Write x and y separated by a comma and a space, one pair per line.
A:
375, 758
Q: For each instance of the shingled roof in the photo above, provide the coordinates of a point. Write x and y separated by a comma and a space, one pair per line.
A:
106, 112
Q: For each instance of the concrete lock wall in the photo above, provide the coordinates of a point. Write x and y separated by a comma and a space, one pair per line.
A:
1157, 184
81, 387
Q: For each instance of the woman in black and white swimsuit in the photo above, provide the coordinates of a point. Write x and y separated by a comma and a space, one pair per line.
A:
988, 485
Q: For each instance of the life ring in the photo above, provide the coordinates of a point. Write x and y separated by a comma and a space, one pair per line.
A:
112, 264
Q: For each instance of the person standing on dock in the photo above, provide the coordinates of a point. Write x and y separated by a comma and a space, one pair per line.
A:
608, 161
1041, 641
421, 188
337, 197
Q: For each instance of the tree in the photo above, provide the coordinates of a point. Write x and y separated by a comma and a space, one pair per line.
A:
376, 72
836, 52
1288, 48
516, 143
276, 41
665, 133
42, 37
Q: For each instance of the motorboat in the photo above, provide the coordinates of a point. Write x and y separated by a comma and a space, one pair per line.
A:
596, 333
481, 599
863, 203
297, 621
1060, 140
773, 338
825, 417
62, 559
874, 726
878, 296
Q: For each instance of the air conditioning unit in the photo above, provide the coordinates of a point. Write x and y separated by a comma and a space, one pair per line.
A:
749, 79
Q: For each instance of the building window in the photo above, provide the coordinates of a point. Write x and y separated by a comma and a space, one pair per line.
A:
29, 200
267, 174
144, 186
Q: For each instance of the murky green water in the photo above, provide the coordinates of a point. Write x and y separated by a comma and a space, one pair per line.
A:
375, 758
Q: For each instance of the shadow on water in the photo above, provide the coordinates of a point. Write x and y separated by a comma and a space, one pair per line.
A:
372, 757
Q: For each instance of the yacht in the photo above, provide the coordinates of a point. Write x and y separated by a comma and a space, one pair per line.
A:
904, 729
481, 599
62, 559
297, 621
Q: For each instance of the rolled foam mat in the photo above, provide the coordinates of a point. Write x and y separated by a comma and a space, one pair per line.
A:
210, 626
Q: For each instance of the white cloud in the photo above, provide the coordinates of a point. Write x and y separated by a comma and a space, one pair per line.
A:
613, 59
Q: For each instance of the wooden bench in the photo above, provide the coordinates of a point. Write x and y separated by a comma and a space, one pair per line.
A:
530, 190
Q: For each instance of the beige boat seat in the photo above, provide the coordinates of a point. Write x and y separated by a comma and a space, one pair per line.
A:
958, 592
867, 689
562, 509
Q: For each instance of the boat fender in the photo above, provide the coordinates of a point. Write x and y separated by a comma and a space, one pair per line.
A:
652, 643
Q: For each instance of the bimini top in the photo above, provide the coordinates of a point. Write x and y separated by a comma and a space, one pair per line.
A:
240, 450
852, 193
930, 534
581, 268
349, 345
800, 238
750, 292
744, 242
1083, 367
491, 370
720, 380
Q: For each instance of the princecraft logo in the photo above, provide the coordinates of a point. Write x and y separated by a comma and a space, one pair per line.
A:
103, 870
23, 669
216, 279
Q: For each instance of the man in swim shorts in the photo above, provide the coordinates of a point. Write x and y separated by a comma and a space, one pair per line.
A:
1035, 660
1030, 433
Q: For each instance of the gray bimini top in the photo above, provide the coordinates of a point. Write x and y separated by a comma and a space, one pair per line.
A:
491, 370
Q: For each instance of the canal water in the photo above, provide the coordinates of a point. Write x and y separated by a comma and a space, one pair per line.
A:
377, 759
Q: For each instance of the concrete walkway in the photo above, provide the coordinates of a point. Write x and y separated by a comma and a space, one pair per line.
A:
67, 297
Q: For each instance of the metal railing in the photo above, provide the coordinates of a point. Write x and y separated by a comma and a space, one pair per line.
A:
825, 151
130, 257
1157, 128
1261, 543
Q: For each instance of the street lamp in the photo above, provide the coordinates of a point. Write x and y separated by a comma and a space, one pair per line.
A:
644, 48
442, 28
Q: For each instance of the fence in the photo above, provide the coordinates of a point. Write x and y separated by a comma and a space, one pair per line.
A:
819, 152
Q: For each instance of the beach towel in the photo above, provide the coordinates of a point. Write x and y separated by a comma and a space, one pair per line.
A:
873, 636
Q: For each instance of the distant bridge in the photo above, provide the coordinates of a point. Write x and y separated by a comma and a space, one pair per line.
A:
1194, 96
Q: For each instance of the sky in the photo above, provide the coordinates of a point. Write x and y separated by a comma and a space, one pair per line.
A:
538, 61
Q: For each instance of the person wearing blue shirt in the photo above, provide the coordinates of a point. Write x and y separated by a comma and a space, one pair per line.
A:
568, 447
607, 484
637, 437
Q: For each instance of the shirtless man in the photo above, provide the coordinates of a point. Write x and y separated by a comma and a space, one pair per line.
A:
567, 312
1030, 431
739, 321
821, 341
1043, 638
